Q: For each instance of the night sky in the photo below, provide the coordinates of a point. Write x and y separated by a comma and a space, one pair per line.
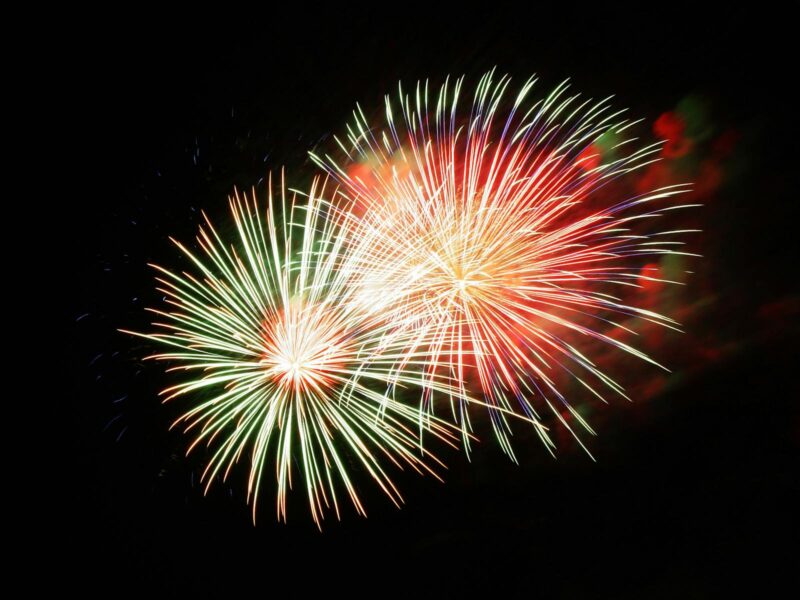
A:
695, 486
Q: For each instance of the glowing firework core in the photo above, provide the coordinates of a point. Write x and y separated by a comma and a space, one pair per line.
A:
301, 350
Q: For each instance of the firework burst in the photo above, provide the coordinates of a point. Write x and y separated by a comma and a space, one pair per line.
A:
497, 235
281, 364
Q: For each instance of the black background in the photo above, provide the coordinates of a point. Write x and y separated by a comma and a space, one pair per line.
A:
162, 118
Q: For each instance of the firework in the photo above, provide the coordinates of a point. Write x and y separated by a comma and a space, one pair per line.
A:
500, 232
280, 365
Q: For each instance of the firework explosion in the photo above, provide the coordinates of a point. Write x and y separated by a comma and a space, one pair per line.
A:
280, 363
498, 237
469, 252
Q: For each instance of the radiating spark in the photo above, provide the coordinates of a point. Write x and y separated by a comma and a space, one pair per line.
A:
281, 365
494, 236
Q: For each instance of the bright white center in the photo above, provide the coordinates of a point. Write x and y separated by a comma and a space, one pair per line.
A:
302, 349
